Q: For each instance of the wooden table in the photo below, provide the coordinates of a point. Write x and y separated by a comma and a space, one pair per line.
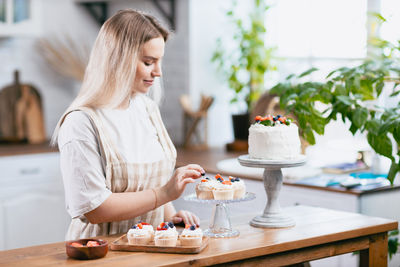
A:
318, 233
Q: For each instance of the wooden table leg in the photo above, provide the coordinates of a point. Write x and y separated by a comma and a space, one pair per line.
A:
377, 253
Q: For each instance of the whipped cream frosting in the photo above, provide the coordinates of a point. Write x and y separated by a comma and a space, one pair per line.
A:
149, 228
192, 233
220, 186
169, 233
209, 185
138, 232
238, 184
274, 142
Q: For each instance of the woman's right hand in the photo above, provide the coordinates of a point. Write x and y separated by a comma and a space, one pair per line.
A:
182, 176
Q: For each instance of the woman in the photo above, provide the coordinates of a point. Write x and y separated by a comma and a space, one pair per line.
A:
117, 159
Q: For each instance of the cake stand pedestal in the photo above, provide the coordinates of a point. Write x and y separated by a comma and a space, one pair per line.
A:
272, 216
220, 225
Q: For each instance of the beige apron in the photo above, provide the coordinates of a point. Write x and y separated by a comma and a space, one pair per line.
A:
127, 177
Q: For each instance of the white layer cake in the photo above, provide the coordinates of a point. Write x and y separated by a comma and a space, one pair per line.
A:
277, 142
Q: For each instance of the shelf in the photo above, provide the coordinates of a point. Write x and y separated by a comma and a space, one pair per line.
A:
98, 9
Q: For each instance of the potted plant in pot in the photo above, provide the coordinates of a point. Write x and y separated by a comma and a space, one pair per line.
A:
244, 62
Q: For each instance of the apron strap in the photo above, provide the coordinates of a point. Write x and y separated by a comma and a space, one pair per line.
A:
165, 140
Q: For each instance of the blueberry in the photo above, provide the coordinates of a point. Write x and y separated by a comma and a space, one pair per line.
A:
237, 179
192, 227
275, 118
207, 178
278, 116
134, 227
203, 173
165, 226
171, 225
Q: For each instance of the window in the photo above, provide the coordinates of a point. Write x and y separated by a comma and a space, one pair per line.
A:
313, 33
19, 17
21, 10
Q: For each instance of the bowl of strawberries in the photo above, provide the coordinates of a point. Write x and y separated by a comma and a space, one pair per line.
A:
86, 249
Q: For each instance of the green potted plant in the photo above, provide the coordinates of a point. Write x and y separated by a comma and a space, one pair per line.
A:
245, 61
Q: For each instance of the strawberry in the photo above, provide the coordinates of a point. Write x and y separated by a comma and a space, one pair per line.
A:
204, 180
282, 119
227, 182
187, 226
218, 176
258, 118
92, 244
76, 244
143, 223
160, 226
139, 225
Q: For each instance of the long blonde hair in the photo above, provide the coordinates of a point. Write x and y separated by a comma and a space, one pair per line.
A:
111, 71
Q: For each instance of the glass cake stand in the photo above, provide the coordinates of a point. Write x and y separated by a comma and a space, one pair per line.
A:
272, 217
220, 225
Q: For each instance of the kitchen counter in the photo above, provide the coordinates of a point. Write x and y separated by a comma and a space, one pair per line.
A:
22, 149
318, 233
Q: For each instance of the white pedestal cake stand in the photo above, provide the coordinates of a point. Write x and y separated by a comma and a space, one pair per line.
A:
272, 216
220, 224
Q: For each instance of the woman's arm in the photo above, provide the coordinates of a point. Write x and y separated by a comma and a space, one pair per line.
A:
123, 206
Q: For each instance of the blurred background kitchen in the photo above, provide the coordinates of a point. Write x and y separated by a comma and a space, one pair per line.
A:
44, 47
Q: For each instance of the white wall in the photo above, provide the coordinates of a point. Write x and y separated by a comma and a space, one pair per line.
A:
207, 22
58, 18
67, 18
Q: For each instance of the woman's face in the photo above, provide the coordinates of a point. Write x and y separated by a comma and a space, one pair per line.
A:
149, 64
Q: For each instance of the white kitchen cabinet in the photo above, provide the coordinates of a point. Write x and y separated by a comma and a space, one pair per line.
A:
32, 206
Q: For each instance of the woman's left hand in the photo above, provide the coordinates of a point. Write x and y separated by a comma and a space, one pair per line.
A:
186, 217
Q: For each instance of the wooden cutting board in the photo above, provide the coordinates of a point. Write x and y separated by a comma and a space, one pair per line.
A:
21, 113
122, 244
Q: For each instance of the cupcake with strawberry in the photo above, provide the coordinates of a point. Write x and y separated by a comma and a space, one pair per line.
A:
223, 189
239, 188
166, 235
138, 235
204, 189
191, 236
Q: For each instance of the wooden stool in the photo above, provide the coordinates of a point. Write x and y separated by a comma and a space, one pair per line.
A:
191, 120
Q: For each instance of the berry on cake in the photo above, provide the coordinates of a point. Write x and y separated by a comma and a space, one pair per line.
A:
191, 236
274, 138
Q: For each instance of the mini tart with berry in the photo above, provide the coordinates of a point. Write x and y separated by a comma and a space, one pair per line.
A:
191, 236
166, 235
204, 189
239, 188
223, 189
138, 235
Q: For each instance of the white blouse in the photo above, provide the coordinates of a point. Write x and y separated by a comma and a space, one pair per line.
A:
83, 170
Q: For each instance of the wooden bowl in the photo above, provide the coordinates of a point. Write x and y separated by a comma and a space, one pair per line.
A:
85, 252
